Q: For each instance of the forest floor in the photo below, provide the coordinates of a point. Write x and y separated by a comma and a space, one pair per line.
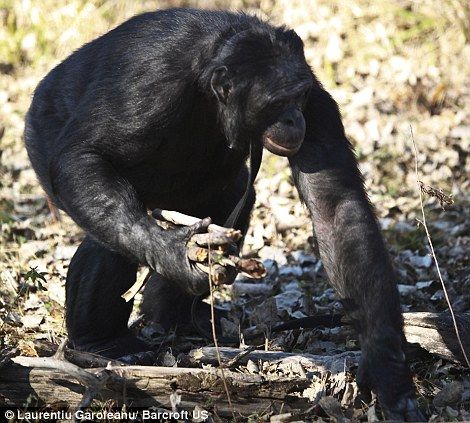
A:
390, 66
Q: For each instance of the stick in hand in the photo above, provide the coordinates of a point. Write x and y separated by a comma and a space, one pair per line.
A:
217, 240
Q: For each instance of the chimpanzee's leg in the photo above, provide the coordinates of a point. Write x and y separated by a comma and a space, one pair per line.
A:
97, 316
164, 302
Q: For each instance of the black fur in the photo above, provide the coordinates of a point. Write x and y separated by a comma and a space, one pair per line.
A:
159, 112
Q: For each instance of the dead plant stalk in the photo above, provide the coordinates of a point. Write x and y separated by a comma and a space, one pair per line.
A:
431, 246
214, 336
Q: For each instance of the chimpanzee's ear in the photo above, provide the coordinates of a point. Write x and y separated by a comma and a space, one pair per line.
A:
221, 84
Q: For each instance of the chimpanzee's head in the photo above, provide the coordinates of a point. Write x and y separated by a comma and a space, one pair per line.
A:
262, 83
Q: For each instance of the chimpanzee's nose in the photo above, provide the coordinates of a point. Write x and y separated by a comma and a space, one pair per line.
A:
291, 117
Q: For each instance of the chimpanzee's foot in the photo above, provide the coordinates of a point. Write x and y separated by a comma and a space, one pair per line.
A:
405, 410
166, 305
115, 348
384, 371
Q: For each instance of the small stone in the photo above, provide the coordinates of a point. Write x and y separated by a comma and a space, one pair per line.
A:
271, 266
273, 253
288, 301
421, 261
426, 284
169, 360
438, 295
291, 270
13, 319
386, 223
293, 285
449, 394
404, 227
298, 314
303, 258
406, 289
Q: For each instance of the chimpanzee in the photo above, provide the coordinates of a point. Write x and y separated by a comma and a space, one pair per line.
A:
163, 111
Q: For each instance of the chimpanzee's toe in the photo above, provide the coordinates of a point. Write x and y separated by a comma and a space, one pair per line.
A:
166, 305
405, 410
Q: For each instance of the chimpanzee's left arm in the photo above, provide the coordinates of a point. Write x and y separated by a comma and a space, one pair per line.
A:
353, 253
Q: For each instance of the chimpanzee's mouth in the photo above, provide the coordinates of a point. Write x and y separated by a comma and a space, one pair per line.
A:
280, 149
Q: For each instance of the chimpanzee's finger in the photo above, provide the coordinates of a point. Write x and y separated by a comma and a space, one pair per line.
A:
199, 227
233, 250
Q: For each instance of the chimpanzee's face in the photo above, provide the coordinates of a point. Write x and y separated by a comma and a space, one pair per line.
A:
261, 93
278, 114
264, 100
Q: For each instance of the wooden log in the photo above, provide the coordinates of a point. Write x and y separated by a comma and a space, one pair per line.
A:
435, 333
310, 362
146, 386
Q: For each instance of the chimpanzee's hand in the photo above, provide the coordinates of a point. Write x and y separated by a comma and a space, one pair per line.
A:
388, 376
172, 261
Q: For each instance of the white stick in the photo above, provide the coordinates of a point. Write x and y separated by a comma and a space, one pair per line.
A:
183, 219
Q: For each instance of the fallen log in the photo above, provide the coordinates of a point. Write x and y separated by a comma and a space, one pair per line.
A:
49, 380
146, 386
435, 333
310, 362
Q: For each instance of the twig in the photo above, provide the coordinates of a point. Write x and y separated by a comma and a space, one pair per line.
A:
213, 238
60, 353
251, 268
183, 219
91, 392
239, 357
139, 283
423, 222
214, 337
